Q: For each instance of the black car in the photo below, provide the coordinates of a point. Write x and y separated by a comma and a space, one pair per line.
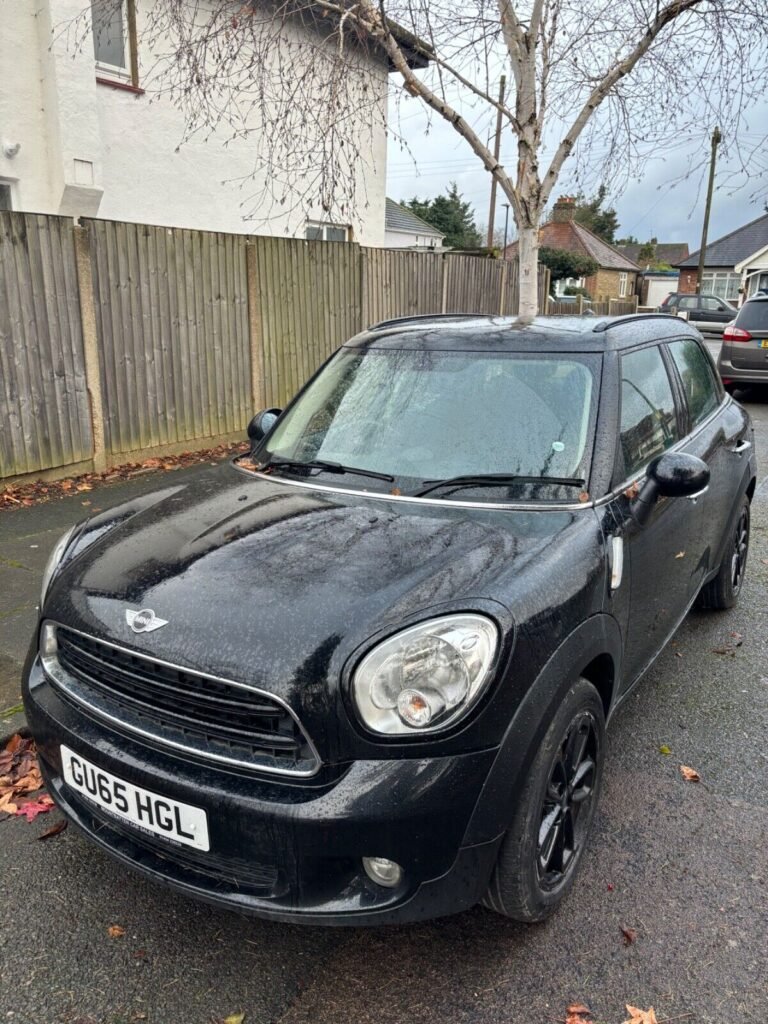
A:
363, 675
706, 312
743, 358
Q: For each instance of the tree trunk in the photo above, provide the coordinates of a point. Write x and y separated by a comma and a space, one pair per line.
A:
528, 254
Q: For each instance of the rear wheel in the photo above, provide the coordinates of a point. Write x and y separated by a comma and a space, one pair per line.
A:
723, 591
543, 846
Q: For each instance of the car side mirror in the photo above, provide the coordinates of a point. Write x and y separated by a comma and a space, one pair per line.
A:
261, 424
672, 475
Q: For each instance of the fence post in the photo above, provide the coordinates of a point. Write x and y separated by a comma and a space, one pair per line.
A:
581, 303
444, 299
82, 243
258, 384
503, 288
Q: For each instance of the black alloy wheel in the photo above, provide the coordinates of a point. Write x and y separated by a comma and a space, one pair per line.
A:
553, 811
723, 591
565, 810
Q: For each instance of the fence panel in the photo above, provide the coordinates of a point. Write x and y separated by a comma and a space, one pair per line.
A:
44, 411
474, 285
310, 301
172, 322
398, 283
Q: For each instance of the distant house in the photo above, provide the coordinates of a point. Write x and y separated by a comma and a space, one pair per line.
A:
653, 285
615, 278
404, 230
735, 266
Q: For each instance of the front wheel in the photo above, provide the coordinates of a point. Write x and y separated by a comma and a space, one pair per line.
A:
723, 591
543, 846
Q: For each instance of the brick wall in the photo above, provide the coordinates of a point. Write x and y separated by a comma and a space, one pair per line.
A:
605, 284
687, 282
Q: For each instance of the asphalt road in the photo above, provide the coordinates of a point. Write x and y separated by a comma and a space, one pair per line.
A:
685, 865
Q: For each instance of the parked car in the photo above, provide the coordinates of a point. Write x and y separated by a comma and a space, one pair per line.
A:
570, 300
705, 312
363, 675
743, 358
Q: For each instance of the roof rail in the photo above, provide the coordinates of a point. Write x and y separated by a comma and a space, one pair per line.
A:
428, 316
629, 318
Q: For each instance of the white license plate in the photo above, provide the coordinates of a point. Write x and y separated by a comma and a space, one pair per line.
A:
147, 810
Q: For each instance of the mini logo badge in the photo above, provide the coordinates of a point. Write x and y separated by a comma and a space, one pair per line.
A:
143, 621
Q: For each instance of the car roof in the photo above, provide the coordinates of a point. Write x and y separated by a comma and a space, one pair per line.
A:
480, 333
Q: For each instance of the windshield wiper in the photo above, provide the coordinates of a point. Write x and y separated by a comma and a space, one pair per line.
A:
281, 462
496, 480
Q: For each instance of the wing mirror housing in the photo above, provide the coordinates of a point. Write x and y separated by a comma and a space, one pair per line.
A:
261, 424
672, 475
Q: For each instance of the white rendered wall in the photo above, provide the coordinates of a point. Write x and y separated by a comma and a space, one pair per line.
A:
125, 146
409, 239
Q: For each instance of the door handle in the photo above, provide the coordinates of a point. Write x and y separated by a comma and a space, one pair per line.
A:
740, 447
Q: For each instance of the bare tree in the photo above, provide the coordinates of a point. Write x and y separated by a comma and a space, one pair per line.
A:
602, 84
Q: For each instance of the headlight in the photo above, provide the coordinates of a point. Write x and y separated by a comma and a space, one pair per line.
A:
53, 563
426, 677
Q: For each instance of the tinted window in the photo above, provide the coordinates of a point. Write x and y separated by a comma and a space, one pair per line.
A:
753, 316
698, 383
691, 302
713, 304
648, 420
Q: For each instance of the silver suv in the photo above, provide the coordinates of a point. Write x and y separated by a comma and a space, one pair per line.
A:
743, 356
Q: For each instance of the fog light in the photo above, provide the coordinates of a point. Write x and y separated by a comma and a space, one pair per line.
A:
382, 871
48, 645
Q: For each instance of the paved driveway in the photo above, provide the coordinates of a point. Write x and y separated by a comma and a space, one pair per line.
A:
684, 865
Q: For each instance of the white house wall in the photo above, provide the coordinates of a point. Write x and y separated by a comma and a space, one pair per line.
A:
92, 149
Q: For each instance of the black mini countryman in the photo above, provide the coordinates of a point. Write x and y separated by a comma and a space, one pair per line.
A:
363, 674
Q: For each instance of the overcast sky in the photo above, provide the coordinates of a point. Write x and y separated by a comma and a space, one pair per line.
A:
646, 208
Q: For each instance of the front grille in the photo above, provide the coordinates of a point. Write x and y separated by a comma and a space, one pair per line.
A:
177, 707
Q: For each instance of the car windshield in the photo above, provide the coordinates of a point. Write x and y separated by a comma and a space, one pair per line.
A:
753, 315
424, 416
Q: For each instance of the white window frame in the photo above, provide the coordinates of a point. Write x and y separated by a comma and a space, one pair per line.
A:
623, 283
724, 284
324, 226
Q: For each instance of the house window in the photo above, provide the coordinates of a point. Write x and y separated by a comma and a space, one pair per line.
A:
6, 196
114, 39
723, 283
622, 284
318, 232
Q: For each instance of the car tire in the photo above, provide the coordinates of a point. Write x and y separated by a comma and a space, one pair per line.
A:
536, 868
723, 591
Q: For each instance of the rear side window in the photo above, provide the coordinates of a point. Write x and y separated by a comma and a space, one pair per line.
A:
753, 316
689, 303
698, 383
648, 416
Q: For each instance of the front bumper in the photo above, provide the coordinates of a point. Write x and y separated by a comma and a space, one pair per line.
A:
287, 851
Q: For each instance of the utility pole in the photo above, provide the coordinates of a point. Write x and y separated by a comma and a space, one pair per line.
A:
716, 137
496, 151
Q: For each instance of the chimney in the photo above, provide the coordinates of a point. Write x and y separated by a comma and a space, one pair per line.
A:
564, 209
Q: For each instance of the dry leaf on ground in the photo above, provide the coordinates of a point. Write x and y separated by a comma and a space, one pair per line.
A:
19, 775
54, 830
630, 935
689, 774
234, 1018
578, 1013
32, 808
637, 1016
115, 931
680, 554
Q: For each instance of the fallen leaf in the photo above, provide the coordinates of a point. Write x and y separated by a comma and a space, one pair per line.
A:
234, 1018
31, 809
610, 887
637, 1016
664, 749
689, 774
632, 491
115, 931
54, 830
680, 554
737, 638
630, 935
396, 491
84, 487
578, 1013
584, 496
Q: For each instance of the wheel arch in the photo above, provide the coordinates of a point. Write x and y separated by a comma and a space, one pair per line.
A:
593, 650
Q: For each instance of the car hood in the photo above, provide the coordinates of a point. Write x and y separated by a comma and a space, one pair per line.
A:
276, 585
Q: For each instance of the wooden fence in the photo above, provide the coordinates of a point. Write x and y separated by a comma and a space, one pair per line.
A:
119, 341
